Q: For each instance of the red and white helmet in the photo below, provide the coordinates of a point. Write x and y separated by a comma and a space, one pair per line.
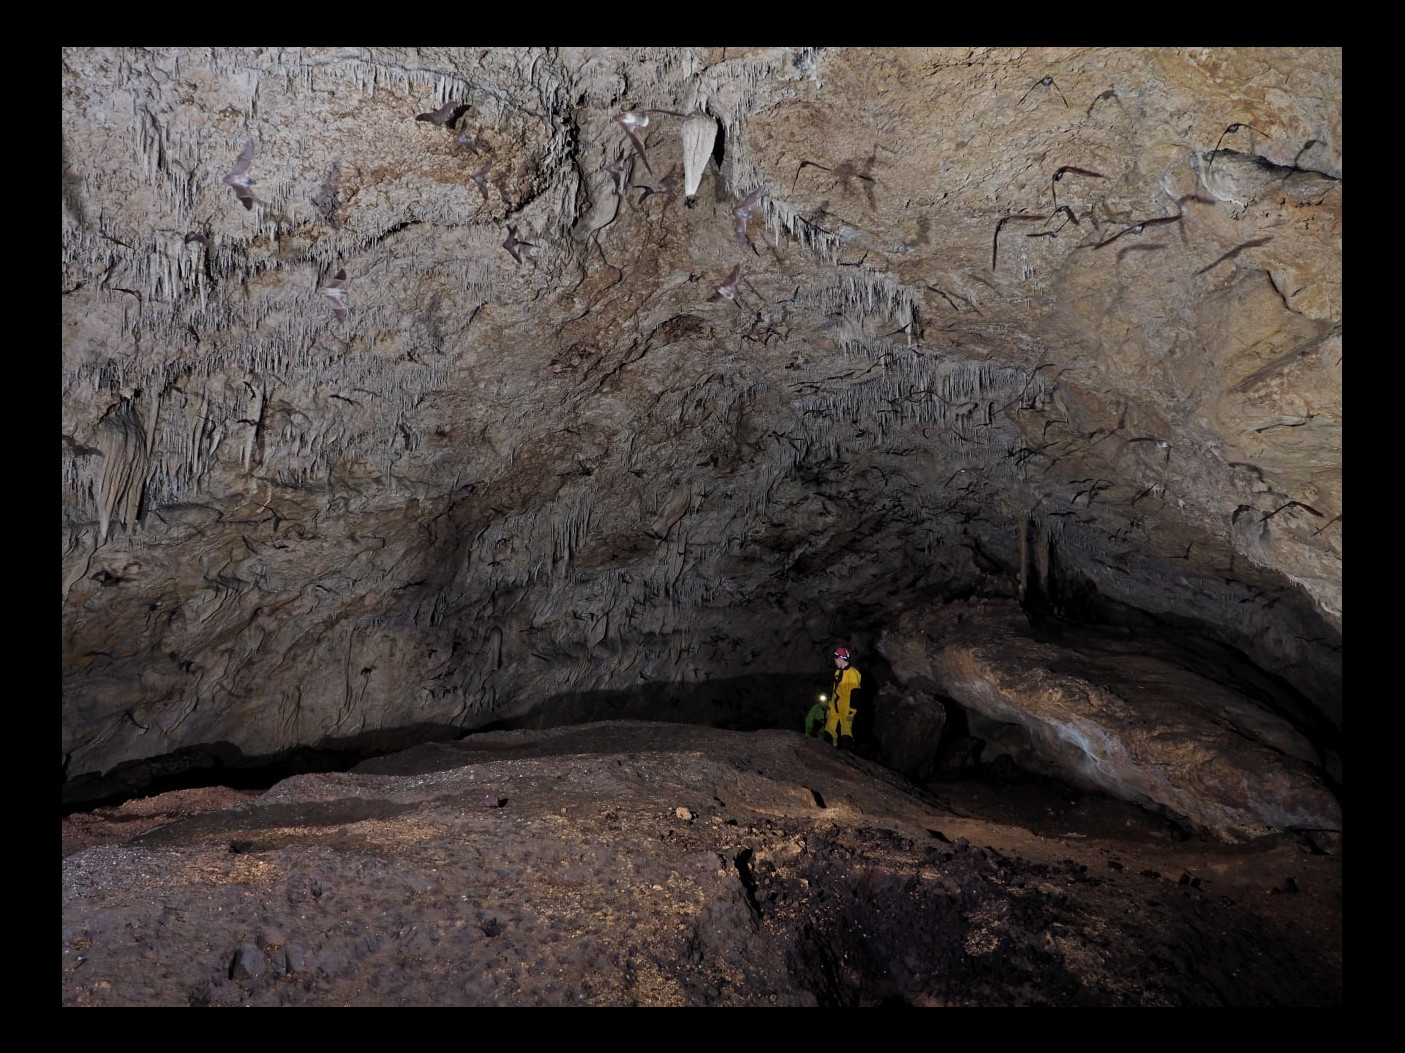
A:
841, 652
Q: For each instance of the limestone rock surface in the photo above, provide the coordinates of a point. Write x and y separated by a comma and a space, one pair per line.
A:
1113, 716
650, 864
1061, 325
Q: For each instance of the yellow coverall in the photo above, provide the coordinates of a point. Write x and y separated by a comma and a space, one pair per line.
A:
841, 712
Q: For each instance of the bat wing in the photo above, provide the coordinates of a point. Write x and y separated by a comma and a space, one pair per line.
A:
244, 160
639, 147
445, 115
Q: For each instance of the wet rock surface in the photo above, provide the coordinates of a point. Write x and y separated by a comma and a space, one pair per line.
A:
626, 863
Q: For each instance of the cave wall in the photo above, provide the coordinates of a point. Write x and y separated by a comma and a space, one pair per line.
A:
1087, 295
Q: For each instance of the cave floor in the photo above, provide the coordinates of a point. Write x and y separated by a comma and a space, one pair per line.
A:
634, 864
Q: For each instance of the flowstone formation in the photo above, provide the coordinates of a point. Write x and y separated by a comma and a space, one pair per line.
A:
474, 414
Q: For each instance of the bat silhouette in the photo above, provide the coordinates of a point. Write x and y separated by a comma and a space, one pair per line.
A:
1306, 147
1154, 246
335, 290
481, 178
446, 115
742, 214
728, 289
1108, 94
240, 179
1334, 519
1072, 218
947, 297
1229, 130
1294, 504
1055, 232
631, 122
1047, 82
1161, 444
617, 172
1137, 228
1234, 252
465, 138
1143, 493
513, 242
805, 164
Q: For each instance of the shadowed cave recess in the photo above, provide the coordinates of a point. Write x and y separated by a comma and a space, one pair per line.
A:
1031, 399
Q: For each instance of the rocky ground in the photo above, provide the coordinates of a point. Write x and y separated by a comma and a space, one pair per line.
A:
627, 863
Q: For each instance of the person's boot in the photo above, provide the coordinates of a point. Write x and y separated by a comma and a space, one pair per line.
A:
846, 743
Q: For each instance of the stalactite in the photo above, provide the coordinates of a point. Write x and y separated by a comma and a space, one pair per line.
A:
121, 436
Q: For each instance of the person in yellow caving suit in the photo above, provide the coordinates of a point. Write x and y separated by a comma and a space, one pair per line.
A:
839, 722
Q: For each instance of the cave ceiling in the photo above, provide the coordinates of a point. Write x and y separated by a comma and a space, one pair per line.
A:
469, 410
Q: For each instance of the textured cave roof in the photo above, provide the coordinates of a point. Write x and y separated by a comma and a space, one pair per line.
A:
498, 482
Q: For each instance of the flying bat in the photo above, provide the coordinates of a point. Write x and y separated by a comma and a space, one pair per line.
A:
631, 121
617, 172
446, 115
1294, 504
1072, 218
465, 138
481, 178
1137, 228
1229, 130
1047, 82
1306, 147
1108, 94
728, 289
240, 179
1161, 444
1055, 232
512, 242
1233, 253
335, 290
742, 214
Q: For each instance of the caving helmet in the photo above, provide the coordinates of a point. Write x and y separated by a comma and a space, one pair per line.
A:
841, 652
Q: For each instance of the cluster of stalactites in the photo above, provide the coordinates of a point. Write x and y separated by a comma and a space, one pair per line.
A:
201, 334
